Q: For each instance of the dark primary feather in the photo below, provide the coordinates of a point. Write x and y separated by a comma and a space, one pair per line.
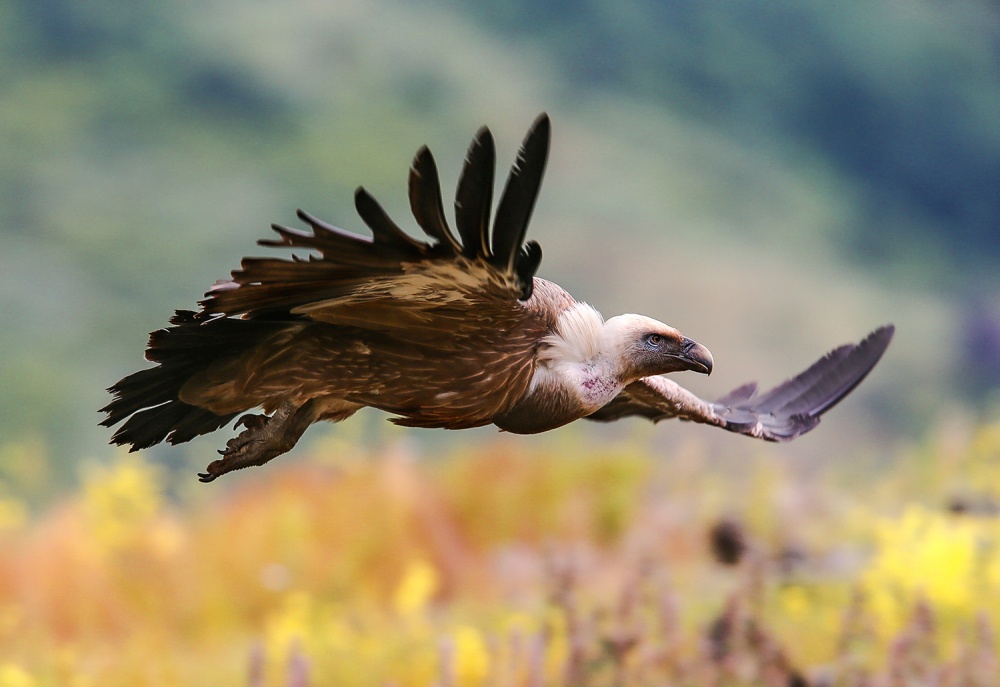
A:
526, 264
384, 230
738, 395
425, 200
474, 197
826, 381
520, 193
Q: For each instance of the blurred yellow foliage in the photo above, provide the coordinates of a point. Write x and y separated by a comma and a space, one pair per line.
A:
416, 589
472, 660
25, 466
943, 558
120, 500
13, 514
293, 623
12, 675
795, 602
501, 561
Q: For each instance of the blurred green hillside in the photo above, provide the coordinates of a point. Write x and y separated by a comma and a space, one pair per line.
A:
773, 178
900, 99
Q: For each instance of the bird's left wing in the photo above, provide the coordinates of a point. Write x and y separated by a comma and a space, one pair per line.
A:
786, 411
394, 283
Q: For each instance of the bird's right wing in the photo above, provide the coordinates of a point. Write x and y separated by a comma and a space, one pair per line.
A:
786, 411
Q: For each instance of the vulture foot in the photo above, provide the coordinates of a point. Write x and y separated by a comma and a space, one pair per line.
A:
265, 438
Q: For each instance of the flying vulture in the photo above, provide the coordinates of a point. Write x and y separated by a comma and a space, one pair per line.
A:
449, 331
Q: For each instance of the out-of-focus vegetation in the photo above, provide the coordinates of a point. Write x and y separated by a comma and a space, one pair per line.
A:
900, 99
500, 565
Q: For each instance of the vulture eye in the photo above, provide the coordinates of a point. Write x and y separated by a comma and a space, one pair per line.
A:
654, 340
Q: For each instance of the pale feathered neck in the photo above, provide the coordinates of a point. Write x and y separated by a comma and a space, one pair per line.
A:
580, 359
588, 357
579, 336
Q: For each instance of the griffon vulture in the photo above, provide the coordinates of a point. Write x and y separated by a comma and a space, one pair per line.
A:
452, 332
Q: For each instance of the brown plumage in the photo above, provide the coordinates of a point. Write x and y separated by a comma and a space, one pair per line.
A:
456, 332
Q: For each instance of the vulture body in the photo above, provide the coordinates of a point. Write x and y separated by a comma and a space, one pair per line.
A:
453, 332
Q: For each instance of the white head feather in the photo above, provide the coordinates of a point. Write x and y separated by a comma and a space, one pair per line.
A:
588, 356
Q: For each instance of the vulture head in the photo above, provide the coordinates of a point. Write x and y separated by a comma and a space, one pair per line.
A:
648, 347
595, 359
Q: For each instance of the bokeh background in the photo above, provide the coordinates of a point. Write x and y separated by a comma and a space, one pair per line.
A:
773, 178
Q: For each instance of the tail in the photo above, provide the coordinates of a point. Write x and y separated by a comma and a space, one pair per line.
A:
149, 398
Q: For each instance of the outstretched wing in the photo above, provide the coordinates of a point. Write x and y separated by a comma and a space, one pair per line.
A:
786, 411
393, 283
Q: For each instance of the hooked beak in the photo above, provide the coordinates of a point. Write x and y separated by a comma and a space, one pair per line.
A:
696, 357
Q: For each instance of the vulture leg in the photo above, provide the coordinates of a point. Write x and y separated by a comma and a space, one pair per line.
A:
263, 439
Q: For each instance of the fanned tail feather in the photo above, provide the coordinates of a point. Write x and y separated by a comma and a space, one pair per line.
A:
149, 398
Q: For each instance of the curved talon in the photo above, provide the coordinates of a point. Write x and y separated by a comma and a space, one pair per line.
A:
205, 477
251, 421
